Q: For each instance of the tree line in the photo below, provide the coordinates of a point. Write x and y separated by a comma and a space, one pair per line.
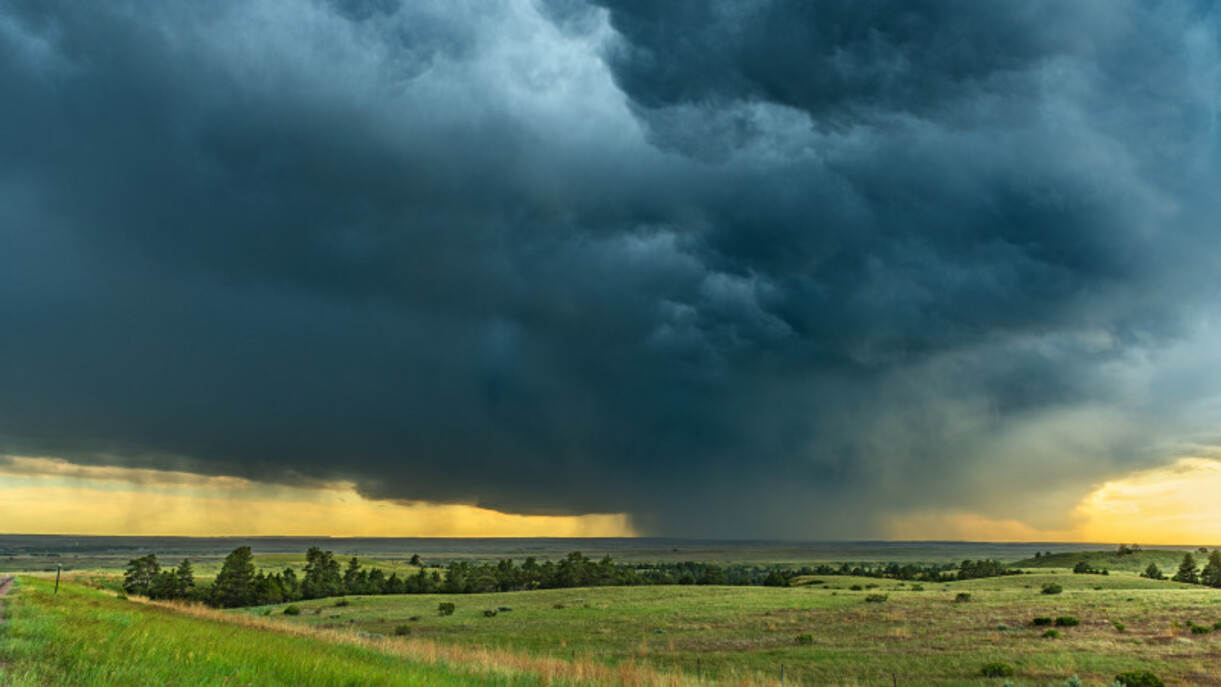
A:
1189, 571
239, 583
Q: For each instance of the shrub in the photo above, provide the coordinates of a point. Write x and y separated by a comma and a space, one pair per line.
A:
1051, 634
1040, 622
856, 588
1200, 629
558, 606
504, 609
805, 639
917, 587
962, 598
294, 609
1217, 625
997, 669
1139, 678
401, 630
1067, 621
414, 619
342, 602
446, 608
489, 612
1052, 588
1119, 627
875, 598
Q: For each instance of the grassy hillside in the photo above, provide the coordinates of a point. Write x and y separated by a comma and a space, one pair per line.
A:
1166, 559
824, 633
84, 637
914, 637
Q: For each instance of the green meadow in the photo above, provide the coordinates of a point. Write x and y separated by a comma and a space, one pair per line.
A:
824, 630
82, 636
827, 633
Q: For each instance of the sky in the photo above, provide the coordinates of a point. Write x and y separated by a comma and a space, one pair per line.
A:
741, 269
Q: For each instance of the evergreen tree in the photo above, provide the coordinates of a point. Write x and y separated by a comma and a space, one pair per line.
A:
351, 577
138, 579
185, 579
234, 585
1211, 575
1187, 570
1153, 572
322, 578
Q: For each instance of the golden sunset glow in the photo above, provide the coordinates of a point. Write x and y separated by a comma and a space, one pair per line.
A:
1176, 504
52, 496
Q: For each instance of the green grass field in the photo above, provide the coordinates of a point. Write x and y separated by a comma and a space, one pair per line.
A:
84, 637
920, 637
822, 633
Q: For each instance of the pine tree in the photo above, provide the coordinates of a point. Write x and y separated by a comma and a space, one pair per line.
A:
234, 583
1153, 572
140, 574
1211, 575
186, 579
322, 577
1187, 570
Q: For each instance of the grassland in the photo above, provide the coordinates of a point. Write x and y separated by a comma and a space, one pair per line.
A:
822, 632
913, 637
84, 637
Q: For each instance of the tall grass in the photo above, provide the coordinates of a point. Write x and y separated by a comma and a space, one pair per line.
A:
84, 637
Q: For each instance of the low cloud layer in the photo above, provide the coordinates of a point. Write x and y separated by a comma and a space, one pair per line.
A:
733, 268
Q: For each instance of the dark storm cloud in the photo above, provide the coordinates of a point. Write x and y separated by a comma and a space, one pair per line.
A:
770, 268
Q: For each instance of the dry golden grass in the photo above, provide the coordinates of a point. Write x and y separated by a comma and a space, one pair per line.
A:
480, 660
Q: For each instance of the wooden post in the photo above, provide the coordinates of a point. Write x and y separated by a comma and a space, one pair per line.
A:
782, 673
698, 669
58, 567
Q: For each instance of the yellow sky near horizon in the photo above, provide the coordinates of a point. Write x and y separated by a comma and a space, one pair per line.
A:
52, 496
1171, 505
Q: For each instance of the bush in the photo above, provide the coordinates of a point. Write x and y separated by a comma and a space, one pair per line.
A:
1067, 621
504, 609
446, 608
1200, 629
1052, 588
856, 588
401, 630
997, 669
294, 609
1040, 622
805, 639
1051, 634
414, 619
1119, 627
342, 602
917, 587
489, 612
875, 598
559, 606
962, 598
1139, 678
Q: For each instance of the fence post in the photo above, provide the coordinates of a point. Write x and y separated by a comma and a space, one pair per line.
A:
58, 568
782, 673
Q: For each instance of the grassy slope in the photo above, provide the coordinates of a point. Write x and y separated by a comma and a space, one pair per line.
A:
84, 637
1167, 560
917, 637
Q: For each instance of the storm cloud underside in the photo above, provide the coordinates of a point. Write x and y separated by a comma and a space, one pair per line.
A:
735, 268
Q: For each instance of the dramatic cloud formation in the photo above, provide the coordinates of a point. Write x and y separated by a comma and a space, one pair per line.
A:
753, 268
